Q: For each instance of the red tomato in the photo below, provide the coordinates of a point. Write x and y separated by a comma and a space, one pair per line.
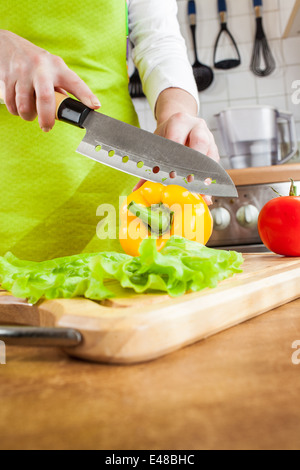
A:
279, 225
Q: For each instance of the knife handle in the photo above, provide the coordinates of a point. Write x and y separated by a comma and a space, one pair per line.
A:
67, 109
70, 111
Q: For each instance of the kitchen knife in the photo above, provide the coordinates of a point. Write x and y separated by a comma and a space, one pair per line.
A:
143, 154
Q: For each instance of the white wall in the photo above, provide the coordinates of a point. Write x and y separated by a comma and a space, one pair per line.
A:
239, 86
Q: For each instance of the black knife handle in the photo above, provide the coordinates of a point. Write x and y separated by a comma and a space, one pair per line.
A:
71, 111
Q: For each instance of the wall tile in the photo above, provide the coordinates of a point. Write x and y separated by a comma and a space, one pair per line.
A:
244, 103
218, 91
242, 28
208, 111
207, 33
291, 51
278, 102
241, 85
271, 22
292, 74
239, 8
140, 104
272, 85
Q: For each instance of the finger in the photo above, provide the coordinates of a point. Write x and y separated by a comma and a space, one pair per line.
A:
25, 101
213, 152
139, 185
9, 92
45, 102
61, 90
200, 139
178, 128
208, 200
72, 83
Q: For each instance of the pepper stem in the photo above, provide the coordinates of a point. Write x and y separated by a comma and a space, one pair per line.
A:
158, 217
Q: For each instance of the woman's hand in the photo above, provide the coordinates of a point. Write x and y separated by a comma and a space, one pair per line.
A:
29, 76
192, 132
176, 113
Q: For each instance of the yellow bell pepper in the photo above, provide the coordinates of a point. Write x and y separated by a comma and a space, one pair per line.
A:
163, 211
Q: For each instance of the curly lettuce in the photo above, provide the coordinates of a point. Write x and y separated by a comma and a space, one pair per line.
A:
182, 266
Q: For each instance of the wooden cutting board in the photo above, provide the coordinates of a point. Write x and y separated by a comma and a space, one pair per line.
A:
138, 328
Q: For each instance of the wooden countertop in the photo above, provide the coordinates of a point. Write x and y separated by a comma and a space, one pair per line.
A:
265, 175
236, 390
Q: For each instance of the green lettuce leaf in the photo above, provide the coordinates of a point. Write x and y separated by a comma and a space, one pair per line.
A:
182, 266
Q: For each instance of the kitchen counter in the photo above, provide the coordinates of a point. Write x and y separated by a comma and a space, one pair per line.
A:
236, 390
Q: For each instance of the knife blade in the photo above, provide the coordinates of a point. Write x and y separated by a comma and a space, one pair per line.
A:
143, 154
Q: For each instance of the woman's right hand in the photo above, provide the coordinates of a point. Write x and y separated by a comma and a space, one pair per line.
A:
29, 76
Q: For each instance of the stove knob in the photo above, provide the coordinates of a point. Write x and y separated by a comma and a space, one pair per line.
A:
247, 216
221, 218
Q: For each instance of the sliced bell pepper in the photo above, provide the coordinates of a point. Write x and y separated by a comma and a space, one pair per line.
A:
161, 212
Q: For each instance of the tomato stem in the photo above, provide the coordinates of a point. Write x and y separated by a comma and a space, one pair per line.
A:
293, 190
276, 192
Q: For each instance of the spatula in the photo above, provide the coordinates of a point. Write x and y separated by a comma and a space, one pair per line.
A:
143, 154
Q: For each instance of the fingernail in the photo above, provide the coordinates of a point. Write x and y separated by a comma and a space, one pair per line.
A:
95, 103
46, 129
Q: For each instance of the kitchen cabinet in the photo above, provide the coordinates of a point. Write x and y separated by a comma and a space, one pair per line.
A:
290, 18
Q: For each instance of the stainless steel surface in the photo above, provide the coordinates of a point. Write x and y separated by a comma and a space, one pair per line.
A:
41, 337
161, 157
257, 136
243, 214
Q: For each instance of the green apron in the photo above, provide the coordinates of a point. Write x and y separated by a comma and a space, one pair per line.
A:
49, 194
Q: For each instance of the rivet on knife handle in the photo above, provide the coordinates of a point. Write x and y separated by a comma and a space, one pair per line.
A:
71, 111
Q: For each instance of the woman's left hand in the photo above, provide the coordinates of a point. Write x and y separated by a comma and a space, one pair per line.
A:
191, 131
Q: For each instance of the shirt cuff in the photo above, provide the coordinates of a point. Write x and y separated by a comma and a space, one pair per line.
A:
172, 74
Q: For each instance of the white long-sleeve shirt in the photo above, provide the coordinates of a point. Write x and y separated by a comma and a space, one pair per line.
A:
159, 49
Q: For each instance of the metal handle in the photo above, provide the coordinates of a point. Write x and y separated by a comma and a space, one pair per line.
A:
41, 337
292, 134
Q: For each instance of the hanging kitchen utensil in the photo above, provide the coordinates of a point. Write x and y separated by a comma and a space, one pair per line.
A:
263, 63
135, 85
230, 63
203, 74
